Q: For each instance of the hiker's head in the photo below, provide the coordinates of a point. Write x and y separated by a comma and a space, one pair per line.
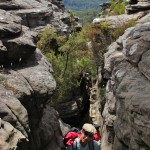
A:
87, 132
89, 128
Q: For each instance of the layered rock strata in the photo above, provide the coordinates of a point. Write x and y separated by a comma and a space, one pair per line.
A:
37, 14
125, 114
137, 5
127, 93
26, 82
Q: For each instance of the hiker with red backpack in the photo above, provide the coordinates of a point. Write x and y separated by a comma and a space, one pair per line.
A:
84, 139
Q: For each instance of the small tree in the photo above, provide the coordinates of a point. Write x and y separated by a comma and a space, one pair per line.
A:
73, 59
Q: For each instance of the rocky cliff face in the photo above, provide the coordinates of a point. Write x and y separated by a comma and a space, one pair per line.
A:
26, 83
126, 113
38, 13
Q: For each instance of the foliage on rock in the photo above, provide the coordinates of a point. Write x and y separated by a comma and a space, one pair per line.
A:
101, 35
115, 8
80, 52
49, 40
69, 58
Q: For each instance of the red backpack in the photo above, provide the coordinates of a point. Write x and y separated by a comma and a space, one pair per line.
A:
71, 136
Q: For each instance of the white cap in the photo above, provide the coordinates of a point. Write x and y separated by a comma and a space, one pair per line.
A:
89, 128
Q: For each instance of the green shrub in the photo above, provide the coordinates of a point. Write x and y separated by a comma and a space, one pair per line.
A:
117, 7
74, 58
49, 40
101, 36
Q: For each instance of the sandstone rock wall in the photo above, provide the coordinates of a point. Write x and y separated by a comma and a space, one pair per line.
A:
37, 14
126, 113
26, 82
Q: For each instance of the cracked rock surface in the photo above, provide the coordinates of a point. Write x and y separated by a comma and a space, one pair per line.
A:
26, 82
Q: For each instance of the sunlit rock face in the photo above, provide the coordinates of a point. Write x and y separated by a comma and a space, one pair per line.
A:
37, 14
126, 113
17, 42
26, 83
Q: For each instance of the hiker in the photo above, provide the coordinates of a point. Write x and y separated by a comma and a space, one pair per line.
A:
84, 141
